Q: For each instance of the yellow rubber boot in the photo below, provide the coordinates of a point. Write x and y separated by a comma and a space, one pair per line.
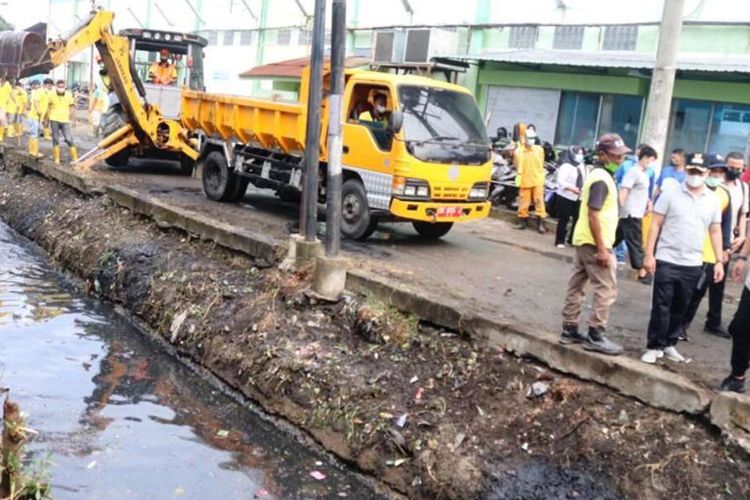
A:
11, 130
34, 147
2, 134
73, 154
19, 128
56, 154
48, 134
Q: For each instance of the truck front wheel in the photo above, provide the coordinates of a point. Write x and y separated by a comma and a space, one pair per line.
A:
219, 181
432, 230
357, 223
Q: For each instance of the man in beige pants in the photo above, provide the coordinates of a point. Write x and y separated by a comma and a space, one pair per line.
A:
595, 261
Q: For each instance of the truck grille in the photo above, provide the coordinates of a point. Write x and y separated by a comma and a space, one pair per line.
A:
449, 192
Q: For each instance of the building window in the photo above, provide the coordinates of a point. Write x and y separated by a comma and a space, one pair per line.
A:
730, 128
305, 37
212, 37
689, 124
247, 37
568, 37
620, 38
228, 38
523, 37
621, 114
271, 37
284, 37
576, 122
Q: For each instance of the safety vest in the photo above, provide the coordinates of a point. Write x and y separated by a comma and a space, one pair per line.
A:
5, 90
709, 256
59, 106
608, 215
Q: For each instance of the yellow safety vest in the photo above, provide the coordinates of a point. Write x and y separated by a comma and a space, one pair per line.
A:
608, 216
59, 106
5, 90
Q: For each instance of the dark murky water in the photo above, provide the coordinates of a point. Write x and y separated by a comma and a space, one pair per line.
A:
118, 418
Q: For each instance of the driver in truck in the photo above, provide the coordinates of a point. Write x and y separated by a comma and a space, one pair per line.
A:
379, 113
162, 72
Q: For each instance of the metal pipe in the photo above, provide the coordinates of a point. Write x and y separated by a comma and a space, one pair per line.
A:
333, 186
309, 209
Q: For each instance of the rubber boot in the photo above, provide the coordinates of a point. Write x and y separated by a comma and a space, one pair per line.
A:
2, 134
540, 225
73, 154
522, 224
11, 132
56, 154
34, 147
48, 134
19, 128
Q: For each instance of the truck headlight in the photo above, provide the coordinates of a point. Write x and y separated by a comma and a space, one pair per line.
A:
480, 191
410, 188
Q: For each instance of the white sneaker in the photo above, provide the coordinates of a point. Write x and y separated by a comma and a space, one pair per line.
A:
672, 355
651, 355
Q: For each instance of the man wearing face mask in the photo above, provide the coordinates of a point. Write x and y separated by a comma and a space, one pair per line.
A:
60, 104
379, 113
162, 72
738, 192
529, 161
682, 217
714, 181
570, 178
594, 238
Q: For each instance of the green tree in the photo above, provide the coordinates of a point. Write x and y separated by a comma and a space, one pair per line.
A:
5, 25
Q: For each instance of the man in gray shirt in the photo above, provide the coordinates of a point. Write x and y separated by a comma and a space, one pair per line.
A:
682, 216
634, 203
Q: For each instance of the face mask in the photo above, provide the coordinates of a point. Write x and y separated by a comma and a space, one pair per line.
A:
733, 174
611, 167
380, 109
578, 158
695, 180
60, 91
713, 182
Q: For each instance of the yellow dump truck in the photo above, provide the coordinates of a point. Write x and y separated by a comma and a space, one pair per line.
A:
426, 160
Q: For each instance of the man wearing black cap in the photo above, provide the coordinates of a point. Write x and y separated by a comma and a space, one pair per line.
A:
682, 216
594, 237
714, 181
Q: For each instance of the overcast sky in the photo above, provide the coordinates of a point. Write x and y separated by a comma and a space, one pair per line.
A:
232, 14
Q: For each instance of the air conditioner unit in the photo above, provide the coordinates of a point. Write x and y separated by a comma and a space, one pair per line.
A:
422, 44
390, 46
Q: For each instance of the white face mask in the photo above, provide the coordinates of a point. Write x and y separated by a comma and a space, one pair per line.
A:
578, 158
695, 180
380, 109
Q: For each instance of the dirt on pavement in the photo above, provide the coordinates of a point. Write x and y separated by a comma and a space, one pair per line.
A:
430, 413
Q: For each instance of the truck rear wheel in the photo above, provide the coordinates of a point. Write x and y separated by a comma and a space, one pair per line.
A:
219, 181
357, 222
432, 230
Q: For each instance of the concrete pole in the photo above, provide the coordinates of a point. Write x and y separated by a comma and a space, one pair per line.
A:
309, 208
656, 124
261, 40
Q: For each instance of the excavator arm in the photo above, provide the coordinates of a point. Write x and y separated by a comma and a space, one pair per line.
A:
21, 55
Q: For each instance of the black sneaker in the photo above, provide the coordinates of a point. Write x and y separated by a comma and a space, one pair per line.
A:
571, 335
682, 333
719, 331
596, 341
733, 384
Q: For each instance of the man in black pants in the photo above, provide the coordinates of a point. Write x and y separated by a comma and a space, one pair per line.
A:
714, 181
740, 328
683, 216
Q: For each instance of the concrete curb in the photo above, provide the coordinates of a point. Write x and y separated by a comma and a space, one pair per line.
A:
63, 175
226, 235
651, 385
730, 412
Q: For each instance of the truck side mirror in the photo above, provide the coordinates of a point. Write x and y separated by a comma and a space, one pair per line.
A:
396, 122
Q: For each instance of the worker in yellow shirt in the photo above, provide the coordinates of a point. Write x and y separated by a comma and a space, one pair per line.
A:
48, 87
6, 97
60, 105
21, 100
97, 105
528, 159
162, 72
37, 111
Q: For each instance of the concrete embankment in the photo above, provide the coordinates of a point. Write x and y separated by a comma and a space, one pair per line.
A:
426, 410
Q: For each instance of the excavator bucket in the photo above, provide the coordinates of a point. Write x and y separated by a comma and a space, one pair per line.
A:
24, 53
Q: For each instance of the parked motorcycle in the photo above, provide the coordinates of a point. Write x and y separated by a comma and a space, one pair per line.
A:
503, 189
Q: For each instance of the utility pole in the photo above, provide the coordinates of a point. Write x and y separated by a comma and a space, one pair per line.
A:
309, 209
333, 186
656, 125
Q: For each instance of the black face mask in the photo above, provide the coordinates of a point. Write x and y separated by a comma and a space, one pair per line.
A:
733, 174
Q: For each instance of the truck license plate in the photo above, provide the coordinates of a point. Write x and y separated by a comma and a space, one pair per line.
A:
449, 212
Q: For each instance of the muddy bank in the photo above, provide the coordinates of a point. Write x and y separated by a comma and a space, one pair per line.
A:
429, 413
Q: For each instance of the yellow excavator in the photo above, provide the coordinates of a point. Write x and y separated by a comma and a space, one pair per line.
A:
26, 53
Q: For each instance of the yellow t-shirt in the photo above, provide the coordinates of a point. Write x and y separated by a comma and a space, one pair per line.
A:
5, 90
529, 164
709, 256
59, 106
40, 100
21, 99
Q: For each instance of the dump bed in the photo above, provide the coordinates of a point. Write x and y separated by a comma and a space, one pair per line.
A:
271, 125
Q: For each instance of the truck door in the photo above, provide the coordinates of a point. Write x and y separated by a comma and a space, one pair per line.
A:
368, 145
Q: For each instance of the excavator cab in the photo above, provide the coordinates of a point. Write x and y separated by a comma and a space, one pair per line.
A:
185, 52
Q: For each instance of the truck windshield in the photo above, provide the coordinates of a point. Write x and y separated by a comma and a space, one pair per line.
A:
443, 126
